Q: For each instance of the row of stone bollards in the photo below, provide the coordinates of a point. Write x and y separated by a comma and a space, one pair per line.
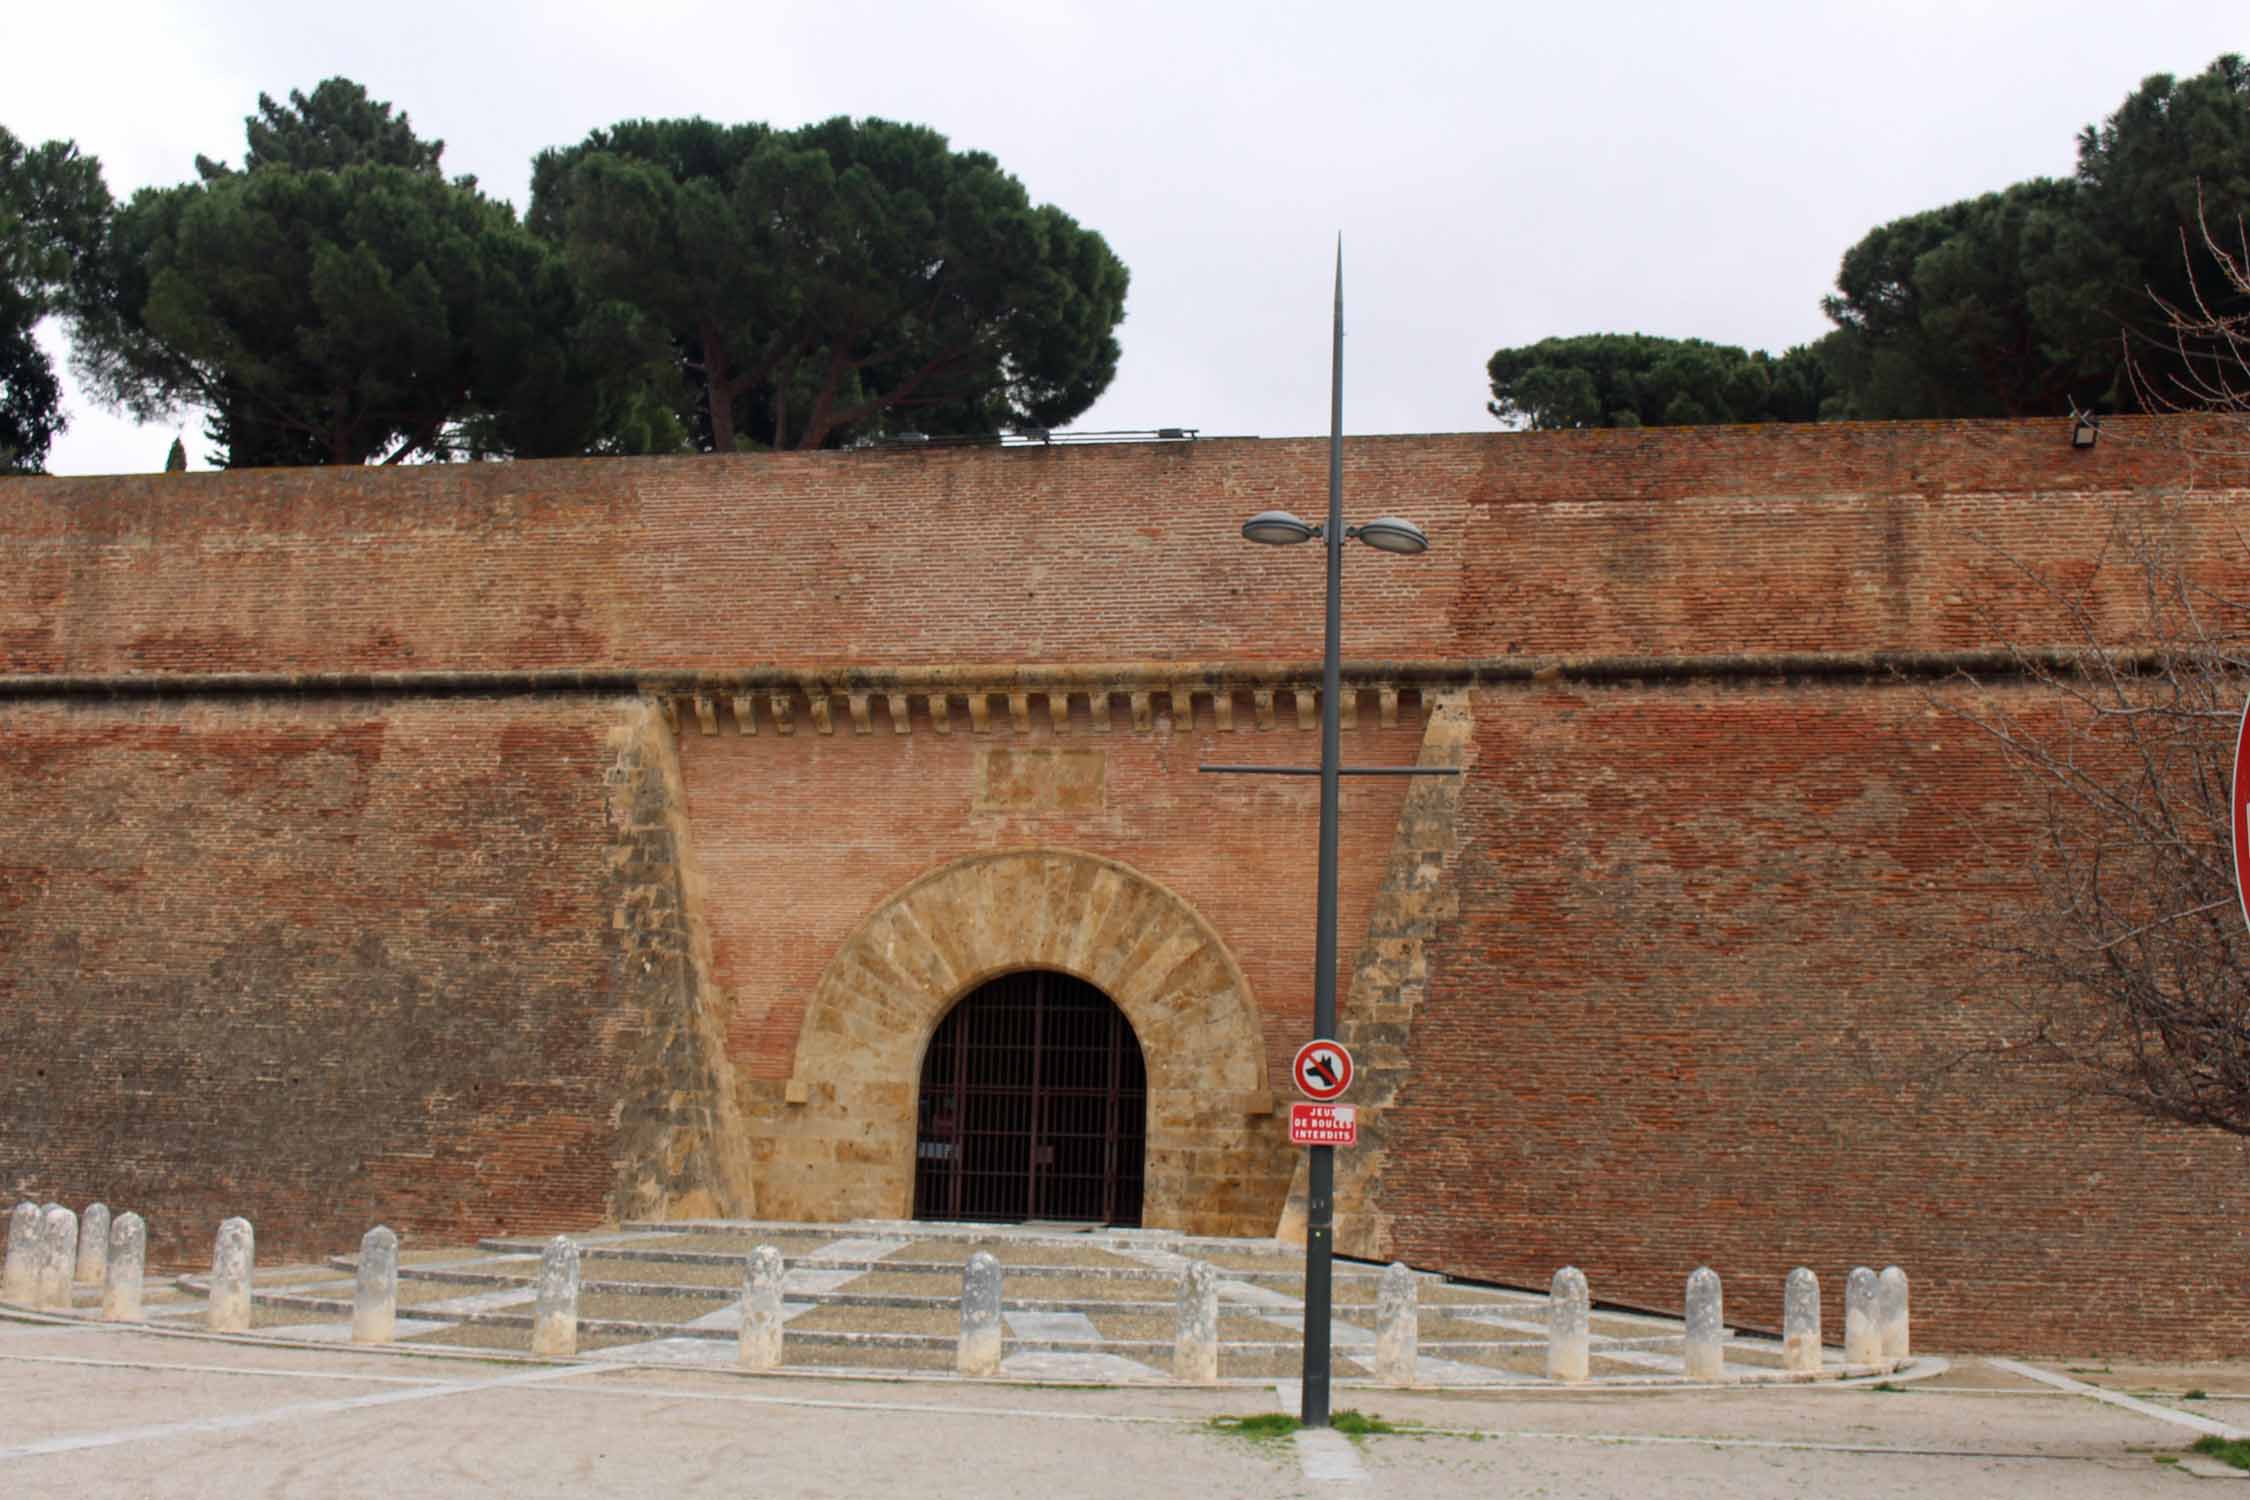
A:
1876, 1332
51, 1249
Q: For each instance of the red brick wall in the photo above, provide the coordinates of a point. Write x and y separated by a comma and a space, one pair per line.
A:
1654, 1036
1713, 998
1682, 540
801, 838
328, 963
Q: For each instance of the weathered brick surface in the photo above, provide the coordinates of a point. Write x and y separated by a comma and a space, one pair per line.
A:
1670, 541
327, 963
801, 837
532, 961
1711, 998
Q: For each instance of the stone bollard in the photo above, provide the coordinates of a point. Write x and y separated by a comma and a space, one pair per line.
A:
121, 1281
1195, 1337
1566, 1325
1890, 1301
760, 1344
375, 1290
93, 1245
1800, 1323
1706, 1326
554, 1315
1863, 1334
58, 1256
233, 1256
980, 1317
1397, 1325
19, 1282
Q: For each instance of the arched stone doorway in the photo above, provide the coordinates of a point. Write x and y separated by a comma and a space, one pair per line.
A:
841, 1142
1033, 1105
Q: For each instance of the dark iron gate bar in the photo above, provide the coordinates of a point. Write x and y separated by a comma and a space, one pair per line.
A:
1034, 1105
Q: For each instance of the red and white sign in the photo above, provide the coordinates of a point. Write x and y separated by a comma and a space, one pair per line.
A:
2241, 813
1323, 1069
1323, 1124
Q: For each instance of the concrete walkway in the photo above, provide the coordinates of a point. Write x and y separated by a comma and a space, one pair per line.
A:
93, 1409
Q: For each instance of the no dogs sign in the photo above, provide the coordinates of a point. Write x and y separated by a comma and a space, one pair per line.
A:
1323, 1069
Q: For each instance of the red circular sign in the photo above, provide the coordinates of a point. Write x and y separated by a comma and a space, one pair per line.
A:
1323, 1069
2239, 812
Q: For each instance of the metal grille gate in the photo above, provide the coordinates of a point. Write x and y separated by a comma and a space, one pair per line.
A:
1034, 1105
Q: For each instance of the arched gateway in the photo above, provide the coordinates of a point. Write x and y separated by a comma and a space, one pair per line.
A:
1216, 1159
1033, 1105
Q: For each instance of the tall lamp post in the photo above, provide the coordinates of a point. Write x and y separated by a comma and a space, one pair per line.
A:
1388, 534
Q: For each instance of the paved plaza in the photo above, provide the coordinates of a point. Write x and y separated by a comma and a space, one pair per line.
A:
866, 1402
88, 1408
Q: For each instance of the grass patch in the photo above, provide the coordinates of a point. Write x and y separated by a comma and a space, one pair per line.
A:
2198, 1394
1353, 1424
2234, 1451
1265, 1426
1887, 1388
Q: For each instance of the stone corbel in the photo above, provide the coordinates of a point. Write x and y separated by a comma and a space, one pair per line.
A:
1261, 699
1386, 705
745, 713
1183, 708
1097, 709
1058, 713
1142, 717
1308, 707
1019, 712
816, 700
779, 704
1347, 708
863, 716
980, 713
940, 709
1222, 709
902, 713
706, 714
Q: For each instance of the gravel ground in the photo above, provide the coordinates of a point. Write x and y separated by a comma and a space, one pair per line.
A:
644, 1309
732, 1244
421, 1293
1280, 1364
944, 1321
1013, 1253
1084, 1289
1163, 1326
1251, 1260
727, 1273
1531, 1361
518, 1340
283, 1317
842, 1357
437, 1254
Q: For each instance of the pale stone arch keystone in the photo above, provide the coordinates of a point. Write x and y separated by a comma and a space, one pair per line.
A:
1213, 1166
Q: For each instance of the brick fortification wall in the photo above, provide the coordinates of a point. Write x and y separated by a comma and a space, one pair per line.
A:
327, 963
1709, 999
1698, 991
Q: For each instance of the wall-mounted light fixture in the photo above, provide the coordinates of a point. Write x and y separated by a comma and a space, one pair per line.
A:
2084, 428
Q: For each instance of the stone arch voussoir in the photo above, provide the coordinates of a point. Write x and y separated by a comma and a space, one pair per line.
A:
1212, 1162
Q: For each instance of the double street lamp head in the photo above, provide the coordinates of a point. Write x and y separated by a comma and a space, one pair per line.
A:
1281, 528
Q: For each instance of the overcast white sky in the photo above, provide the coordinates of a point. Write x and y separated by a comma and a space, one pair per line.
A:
1500, 172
